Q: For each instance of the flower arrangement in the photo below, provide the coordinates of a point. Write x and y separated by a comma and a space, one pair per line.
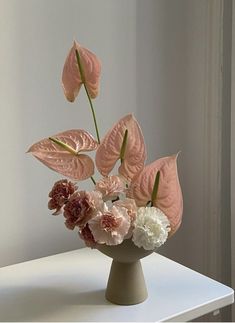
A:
141, 202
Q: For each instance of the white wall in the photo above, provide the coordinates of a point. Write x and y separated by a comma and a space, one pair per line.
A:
183, 104
170, 94
35, 37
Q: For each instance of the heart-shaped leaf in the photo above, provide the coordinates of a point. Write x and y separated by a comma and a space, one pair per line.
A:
108, 152
71, 77
169, 197
65, 158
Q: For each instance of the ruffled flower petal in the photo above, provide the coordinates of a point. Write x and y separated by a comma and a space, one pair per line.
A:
111, 226
59, 195
81, 207
110, 187
129, 205
87, 236
150, 228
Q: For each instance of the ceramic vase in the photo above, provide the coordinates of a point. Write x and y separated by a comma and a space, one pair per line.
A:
126, 283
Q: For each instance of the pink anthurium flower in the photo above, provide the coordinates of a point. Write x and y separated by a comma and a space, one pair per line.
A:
123, 141
169, 196
62, 153
72, 78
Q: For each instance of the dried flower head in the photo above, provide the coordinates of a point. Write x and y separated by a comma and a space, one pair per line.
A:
86, 235
81, 207
59, 195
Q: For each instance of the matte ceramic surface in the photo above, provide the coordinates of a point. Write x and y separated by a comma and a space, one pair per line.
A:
124, 252
126, 284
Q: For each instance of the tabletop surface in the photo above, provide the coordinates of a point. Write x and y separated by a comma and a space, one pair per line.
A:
71, 287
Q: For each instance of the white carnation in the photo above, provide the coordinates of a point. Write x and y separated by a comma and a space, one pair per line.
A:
151, 228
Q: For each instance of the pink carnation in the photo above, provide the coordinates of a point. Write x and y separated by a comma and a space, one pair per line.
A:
81, 207
60, 193
111, 226
110, 187
86, 235
131, 208
130, 205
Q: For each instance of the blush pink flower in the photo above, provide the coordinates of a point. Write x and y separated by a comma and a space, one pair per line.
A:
111, 226
72, 78
60, 193
64, 153
81, 207
169, 196
130, 206
110, 187
109, 150
86, 235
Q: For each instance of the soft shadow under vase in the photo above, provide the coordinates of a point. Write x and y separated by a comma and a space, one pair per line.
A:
126, 284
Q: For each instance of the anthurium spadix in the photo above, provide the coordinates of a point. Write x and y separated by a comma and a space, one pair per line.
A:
63, 153
72, 78
124, 142
169, 196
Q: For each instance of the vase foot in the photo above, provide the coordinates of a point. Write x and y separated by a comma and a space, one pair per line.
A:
126, 284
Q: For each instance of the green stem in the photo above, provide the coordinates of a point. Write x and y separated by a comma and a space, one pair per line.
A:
123, 148
63, 145
93, 180
155, 188
93, 114
87, 93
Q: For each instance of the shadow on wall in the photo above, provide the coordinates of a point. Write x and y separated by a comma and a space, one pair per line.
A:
170, 106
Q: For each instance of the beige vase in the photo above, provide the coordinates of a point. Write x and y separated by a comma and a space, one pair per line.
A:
126, 284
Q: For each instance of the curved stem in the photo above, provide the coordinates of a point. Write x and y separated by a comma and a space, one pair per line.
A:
87, 93
93, 114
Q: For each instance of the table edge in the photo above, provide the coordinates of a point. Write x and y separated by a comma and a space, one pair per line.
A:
208, 307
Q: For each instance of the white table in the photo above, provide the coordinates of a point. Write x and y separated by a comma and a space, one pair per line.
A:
71, 287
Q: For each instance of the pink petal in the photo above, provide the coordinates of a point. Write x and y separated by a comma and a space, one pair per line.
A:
109, 150
78, 167
78, 139
71, 78
169, 197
